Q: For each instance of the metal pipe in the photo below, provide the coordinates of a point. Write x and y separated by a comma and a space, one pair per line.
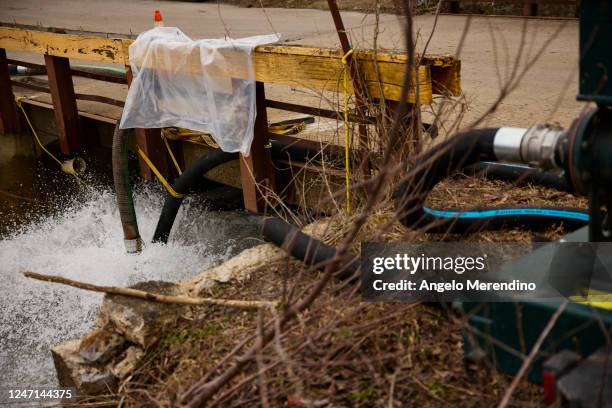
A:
507, 143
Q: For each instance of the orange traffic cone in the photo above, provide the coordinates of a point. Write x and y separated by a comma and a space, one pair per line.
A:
158, 20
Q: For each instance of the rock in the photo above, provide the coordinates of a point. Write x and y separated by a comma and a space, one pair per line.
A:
128, 363
74, 371
140, 321
100, 346
248, 261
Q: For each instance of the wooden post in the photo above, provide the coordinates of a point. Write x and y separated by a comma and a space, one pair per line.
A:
454, 7
9, 117
257, 167
356, 80
531, 8
151, 143
64, 103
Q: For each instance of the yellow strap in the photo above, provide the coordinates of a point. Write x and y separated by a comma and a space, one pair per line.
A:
18, 100
346, 129
178, 168
161, 178
66, 169
287, 129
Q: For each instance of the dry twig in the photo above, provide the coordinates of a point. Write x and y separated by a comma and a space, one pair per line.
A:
154, 297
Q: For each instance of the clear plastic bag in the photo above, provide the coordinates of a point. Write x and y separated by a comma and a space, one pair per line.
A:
204, 85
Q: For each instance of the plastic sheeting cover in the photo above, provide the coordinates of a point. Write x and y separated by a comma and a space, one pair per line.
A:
204, 85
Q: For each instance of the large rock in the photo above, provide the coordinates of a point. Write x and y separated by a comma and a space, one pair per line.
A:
100, 345
248, 261
74, 371
140, 321
128, 362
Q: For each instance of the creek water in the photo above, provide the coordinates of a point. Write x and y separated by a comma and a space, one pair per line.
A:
50, 225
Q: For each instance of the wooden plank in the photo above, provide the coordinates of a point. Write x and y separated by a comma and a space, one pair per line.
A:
445, 80
88, 115
324, 73
65, 45
9, 116
312, 68
64, 103
257, 166
117, 79
78, 96
151, 143
319, 69
309, 110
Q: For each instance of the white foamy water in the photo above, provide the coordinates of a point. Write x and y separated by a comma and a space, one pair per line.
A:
85, 242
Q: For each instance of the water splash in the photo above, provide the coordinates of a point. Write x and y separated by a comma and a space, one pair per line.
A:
84, 242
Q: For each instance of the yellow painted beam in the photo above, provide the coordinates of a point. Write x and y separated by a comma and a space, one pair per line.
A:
65, 45
319, 69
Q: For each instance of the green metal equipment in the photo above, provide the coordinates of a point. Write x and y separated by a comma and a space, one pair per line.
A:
502, 333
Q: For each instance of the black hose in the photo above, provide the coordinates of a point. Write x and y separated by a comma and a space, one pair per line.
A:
193, 175
519, 175
297, 152
123, 189
183, 184
435, 165
305, 248
445, 159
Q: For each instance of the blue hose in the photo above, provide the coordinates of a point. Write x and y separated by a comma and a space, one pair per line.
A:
532, 218
474, 150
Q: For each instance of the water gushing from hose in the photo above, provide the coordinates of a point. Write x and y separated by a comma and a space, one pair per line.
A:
84, 242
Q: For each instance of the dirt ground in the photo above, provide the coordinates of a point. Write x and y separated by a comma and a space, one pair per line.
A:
341, 351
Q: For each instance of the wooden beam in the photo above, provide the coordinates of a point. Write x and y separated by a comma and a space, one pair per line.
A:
256, 168
309, 110
115, 78
64, 103
319, 69
149, 140
9, 116
88, 48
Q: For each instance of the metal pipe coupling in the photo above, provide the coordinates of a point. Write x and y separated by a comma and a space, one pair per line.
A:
536, 145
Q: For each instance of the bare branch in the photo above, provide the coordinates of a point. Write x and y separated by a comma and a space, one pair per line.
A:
154, 297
